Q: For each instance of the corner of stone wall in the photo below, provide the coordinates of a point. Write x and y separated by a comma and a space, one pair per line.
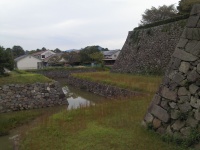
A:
175, 108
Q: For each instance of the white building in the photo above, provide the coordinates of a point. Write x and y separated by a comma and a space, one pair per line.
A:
27, 62
110, 56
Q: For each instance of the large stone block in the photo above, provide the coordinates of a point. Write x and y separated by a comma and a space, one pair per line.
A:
175, 114
195, 50
182, 43
160, 113
156, 123
190, 45
193, 33
184, 67
193, 88
195, 9
178, 125
198, 68
192, 21
168, 94
182, 91
185, 107
148, 118
193, 76
183, 55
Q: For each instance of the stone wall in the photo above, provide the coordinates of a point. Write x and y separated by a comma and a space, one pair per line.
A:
175, 108
15, 97
149, 50
99, 88
62, 73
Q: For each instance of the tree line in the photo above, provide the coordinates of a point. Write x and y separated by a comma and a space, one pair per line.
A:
165, 12
86, 55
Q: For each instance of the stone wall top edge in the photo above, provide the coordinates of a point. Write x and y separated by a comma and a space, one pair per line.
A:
159, 25
19, 84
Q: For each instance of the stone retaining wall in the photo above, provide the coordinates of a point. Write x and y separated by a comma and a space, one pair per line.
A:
175, 108
148, 51
15, 97
99, 88
62, 73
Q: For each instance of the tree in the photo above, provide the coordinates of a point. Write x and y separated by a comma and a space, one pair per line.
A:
44, 49
72, 57
17, 51
97, 56
57, 50
156, 14
86, 52
6, 60
185, 6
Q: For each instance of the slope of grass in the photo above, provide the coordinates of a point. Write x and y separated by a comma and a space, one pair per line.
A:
21, 77
112, 125
134, 82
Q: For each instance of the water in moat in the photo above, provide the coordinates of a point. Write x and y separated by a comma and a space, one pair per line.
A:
75, 97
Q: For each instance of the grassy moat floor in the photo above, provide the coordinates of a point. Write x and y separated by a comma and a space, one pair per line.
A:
113, 125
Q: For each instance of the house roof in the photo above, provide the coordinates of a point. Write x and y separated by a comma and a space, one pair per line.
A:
23, 56
38, 53
51, 56
41, 52
110, 52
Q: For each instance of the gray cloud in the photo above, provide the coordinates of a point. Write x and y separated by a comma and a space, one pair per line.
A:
67, 24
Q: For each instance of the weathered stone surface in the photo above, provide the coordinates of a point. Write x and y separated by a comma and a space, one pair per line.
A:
185, 107
192, 122
193, 102
193, 76
156, 123
160, 113
182, 91
193, 33
178, 125
184, 67
192, 21
148, 118
172, 105
168, 94
156, 99
186, 131
182, 43
183, 55
195, 9
193, 88
169, 130
164, 104
175, 114
191, 45
178, 78
195, 50
161, 130
152, 52
198, 68
197, 115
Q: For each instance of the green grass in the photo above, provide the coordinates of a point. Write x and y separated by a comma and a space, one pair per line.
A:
22, 77
143, 83
11, 120
111, 125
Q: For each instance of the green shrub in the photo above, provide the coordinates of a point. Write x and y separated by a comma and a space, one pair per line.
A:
178, 18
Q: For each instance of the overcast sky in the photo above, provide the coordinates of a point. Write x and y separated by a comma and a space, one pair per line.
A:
70, 24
